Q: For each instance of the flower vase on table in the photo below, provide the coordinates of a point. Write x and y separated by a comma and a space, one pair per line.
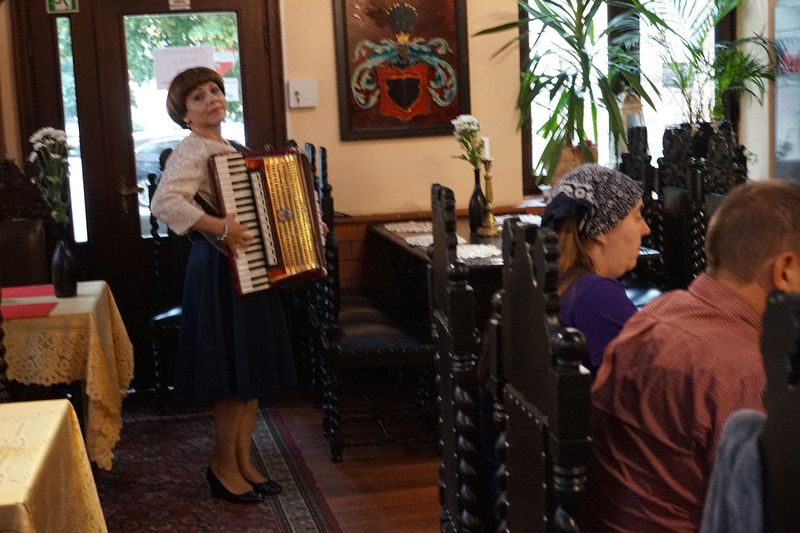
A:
466, 128
477, 205
50, 153
64, 268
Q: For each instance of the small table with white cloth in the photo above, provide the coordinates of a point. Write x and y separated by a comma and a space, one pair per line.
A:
46, 482
82, 339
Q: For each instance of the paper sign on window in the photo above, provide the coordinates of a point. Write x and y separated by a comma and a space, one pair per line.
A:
171, 61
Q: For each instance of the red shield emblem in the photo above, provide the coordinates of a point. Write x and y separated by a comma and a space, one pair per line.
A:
404, 91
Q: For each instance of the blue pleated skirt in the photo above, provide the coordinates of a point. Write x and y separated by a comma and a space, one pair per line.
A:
229, 345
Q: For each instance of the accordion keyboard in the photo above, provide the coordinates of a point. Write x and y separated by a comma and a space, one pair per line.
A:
243, 193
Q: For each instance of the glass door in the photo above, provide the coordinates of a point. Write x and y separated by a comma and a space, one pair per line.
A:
102, 76
181, 41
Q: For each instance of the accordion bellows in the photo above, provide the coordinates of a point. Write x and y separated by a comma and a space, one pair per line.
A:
273, 194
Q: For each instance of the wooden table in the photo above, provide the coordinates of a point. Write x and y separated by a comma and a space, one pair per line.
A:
83, 339
46, 482
400, 270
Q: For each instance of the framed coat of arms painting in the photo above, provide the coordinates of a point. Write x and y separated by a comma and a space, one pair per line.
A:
402, 67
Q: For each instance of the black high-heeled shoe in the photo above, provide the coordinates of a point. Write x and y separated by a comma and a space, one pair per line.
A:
266, 488
218, 490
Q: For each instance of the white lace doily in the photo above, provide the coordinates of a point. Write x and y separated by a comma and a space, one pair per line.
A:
526, 219
427, 239
477, 251
412, 226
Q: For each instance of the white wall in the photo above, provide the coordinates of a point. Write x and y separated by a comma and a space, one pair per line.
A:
756, 119
395, 175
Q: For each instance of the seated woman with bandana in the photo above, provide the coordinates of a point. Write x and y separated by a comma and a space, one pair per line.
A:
597, 214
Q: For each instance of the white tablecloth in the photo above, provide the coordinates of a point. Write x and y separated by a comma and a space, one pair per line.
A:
84, 339
46, 483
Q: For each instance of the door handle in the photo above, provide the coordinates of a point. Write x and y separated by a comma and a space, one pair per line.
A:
130, 190
126, 191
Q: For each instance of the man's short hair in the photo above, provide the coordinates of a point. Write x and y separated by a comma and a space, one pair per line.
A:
754, 223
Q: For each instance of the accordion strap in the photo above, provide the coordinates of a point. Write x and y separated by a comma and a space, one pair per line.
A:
205, 206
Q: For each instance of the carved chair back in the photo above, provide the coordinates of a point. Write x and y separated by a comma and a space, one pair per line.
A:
725, 167
452, 310
25, 229
355, 334
542, 391
310, 306
780, 345
683, 225
170, 253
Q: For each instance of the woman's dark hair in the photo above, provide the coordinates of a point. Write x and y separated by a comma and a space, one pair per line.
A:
182, 85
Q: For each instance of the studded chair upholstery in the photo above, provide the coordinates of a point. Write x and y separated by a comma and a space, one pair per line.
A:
541, 391
355, 334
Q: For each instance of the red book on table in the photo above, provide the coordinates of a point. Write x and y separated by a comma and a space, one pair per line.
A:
27, 310
28, 291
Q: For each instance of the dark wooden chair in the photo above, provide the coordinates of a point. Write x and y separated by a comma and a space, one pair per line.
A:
683, 224
24, 260
542, 403
646, 281
696, 172
299, 299
24, 232
725, 167
452, 309
357, 333
780, 345
169, 259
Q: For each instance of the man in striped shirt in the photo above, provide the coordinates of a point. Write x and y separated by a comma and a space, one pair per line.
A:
687, 361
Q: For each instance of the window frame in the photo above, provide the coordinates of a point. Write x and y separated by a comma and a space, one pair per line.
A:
725, 31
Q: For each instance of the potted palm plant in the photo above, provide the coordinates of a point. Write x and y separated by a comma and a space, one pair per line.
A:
709, 78
571, 79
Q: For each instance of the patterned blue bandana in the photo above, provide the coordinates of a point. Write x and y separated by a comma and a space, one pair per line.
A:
600, 196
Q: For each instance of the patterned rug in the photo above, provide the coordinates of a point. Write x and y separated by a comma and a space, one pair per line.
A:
158, 480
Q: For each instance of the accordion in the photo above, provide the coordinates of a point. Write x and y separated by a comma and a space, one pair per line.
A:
272, 193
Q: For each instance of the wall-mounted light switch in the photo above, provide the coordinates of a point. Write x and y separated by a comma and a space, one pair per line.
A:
302, 93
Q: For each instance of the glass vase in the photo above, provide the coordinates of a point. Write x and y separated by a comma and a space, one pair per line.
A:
64, 268
477, 204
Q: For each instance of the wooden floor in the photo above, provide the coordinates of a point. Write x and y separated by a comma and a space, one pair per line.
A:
388, 489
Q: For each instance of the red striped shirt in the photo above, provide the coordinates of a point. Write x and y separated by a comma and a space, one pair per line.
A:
667, 384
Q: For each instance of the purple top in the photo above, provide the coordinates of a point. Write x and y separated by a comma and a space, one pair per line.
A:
598, 307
